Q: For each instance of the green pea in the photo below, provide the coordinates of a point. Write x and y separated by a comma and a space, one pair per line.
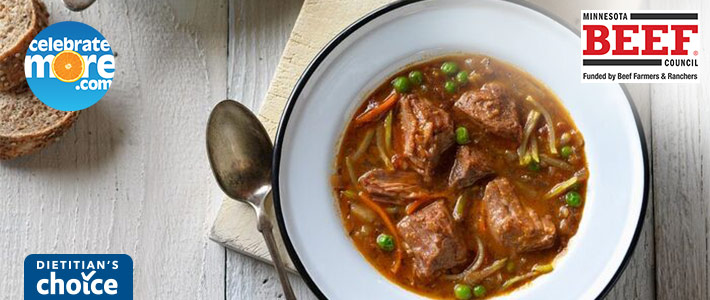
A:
401, 84
462, 77
462, 136
573, 199
534, 166
385, 242
510, 266
449, 68
416, 77
462, 291
479, 291
450, 86
566, 151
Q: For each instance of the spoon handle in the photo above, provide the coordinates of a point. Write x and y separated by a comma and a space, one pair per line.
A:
267, 230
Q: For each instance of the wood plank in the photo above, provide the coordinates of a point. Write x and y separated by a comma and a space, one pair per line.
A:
680, 187
681, 142
638, 279
258, 31
132, 176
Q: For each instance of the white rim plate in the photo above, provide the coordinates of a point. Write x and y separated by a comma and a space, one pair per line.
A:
396, 35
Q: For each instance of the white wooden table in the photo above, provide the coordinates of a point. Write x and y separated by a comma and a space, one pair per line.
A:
132, 176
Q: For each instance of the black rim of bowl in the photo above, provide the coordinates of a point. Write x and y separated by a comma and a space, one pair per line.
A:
313, 66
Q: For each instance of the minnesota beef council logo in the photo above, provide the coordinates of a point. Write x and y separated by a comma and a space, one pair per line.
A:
641, 46
69, 66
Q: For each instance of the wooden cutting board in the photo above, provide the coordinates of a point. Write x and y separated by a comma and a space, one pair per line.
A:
318, 22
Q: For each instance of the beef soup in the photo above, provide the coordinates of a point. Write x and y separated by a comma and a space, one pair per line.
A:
461, 177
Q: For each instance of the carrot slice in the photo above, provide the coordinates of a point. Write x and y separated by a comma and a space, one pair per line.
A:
378, 110
422, 201
390, 226
481, 225
414, 206
481, 220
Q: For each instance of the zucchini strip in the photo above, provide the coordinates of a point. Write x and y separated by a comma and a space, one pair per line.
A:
388, 132
379, 140
533, 116
562, 187
349, 193
362, 212
473, 278
364, 144
534, 151
537, 270
557, 163
459, 207
548, 119
475, 265
351, 171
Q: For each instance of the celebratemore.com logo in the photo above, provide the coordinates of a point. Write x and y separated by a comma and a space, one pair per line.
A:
78, 276
69, 66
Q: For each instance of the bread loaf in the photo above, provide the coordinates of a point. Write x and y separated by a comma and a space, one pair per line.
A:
20, 21
27, 124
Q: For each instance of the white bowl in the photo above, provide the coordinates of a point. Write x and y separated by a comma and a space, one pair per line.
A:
376, 46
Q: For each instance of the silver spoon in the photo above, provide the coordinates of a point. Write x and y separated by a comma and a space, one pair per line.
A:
240, 150
78, 5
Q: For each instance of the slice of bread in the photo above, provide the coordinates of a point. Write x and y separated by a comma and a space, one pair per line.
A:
27, 124
20, 21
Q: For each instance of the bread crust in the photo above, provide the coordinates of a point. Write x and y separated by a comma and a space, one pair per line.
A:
16, 145
12, 69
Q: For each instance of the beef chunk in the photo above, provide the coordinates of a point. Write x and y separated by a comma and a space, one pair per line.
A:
430, 237
426, 131
512, 224
392, 187
471, 164
491, 109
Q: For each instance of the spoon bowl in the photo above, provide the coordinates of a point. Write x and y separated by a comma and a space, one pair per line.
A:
239, 150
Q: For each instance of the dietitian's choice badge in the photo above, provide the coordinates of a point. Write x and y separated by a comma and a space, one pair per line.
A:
641, 46
78, 276
69, 66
